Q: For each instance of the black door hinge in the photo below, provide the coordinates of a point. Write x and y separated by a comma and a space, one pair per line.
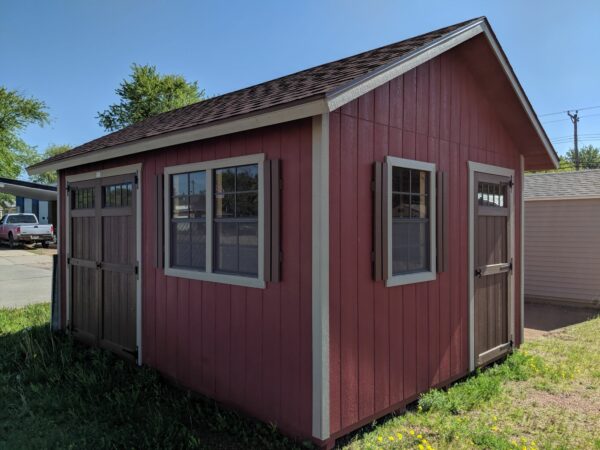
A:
68, 188
511, 183
68, 260
135, 180
137, 269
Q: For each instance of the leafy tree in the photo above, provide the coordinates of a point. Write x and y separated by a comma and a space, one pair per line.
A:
147, 93
589, 157
16, 113
51, 150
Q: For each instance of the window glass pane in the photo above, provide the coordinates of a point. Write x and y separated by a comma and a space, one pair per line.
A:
248, 248
225, 180
491, 194
180, 207
197, 183
399, 247
198, 245
226, 247
180, 244
418, 206
400, 179
179, 184
400, 205
197, 206
247, 205
247, 178
224, 205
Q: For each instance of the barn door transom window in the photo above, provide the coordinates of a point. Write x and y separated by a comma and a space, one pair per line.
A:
219, 220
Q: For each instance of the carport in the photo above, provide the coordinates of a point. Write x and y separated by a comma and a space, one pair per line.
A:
36, 198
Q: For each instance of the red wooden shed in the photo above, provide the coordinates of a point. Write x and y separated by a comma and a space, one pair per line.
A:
316, 250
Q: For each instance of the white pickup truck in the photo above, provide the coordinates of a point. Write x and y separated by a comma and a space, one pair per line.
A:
24, 228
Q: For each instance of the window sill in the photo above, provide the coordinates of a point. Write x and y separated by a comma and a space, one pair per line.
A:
411, 278
215, 278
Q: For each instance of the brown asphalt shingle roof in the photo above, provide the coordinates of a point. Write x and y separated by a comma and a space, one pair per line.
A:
298, 87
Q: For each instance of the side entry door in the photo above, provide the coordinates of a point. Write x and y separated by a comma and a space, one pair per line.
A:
493, 266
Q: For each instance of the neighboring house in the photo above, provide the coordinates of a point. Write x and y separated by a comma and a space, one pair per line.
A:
562, 238
319, 249
36, 198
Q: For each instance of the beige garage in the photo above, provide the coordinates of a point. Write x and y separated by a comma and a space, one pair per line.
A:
562, 238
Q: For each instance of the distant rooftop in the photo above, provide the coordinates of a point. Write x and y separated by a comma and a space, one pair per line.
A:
583, 183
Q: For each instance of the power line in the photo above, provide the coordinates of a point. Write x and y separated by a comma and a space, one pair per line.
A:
566, 111
566, 118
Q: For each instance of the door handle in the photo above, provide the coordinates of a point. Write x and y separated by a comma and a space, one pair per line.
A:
98, 265
478, 273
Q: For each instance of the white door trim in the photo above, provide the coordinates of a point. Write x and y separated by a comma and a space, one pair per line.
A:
502, 171
123, 170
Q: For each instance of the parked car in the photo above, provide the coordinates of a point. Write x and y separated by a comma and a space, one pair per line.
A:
25, 228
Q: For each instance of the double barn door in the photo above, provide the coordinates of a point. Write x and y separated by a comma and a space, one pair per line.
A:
102, 262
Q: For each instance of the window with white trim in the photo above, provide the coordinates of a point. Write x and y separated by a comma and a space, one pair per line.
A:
215, 216
411, 221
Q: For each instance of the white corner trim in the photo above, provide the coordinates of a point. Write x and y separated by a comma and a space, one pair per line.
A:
430, 275
122, 170
320, 277
506, 172
208, 274
286, 114
522, 249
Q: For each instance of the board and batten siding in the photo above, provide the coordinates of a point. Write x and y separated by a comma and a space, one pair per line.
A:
387, 345
248, 348
562, 250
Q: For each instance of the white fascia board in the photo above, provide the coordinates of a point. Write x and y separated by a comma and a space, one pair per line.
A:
360, 86
295, 112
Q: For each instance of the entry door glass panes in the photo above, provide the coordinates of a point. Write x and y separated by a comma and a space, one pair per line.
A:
491, 194
410, 221
188, 220
83, 198
236, 220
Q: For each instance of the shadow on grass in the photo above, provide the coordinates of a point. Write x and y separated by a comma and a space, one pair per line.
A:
57, 393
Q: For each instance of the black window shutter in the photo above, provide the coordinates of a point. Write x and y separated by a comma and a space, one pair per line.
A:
160, 219
380, 216
442, 221
272, 211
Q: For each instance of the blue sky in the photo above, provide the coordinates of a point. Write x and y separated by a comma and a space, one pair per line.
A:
72, 54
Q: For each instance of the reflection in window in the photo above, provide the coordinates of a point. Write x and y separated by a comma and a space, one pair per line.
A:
83, 198
410, 221
117, 195
188, 220
236, 220
491, 194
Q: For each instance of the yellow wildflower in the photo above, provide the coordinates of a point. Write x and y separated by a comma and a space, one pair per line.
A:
421, 447
494, 428
399, 436
411, 432
419, 436
391, 438
380, 439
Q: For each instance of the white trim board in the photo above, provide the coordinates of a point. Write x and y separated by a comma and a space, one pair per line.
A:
522, 249
123, 170
505, 172
312, 107
320, 277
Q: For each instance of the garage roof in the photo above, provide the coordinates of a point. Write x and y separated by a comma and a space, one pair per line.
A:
309, 92
563, 185
27, 189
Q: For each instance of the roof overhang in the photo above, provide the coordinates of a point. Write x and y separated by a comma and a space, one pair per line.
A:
25, 189
333, 100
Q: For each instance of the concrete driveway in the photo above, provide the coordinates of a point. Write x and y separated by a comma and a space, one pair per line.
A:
25, 278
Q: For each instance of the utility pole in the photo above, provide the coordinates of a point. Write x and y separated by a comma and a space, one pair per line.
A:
575, 118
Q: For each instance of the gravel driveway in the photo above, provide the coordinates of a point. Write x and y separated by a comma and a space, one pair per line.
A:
25, 278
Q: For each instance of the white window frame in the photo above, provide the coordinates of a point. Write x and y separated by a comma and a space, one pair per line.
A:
417, 277
208, 274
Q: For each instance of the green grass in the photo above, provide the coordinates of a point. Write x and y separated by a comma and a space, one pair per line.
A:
56, 393
544, 396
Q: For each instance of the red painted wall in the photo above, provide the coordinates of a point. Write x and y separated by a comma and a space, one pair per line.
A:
389, 344
248, 348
